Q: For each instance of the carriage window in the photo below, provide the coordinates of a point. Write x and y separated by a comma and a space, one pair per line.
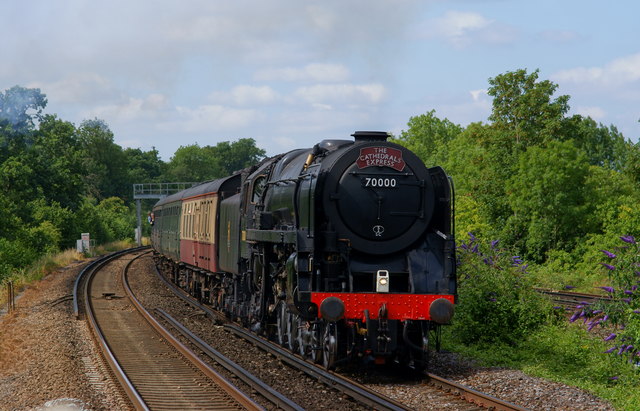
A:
258, 188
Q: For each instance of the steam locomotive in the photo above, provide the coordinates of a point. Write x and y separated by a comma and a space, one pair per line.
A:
341, 251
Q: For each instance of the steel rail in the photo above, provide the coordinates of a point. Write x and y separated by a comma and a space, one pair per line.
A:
228, 387
357, 391
351, 388
471, 395
90, 268
570, 299
332, 379
125, 383
254, 382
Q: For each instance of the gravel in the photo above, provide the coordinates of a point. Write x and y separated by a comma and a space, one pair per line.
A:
48, 361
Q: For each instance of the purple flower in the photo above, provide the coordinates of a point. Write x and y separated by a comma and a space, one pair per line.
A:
607, 289
608, 266
628, 292
475, 249
611, 336
622, 349
557, 307
610, 350
593, 324
606, 317
494, 244
595, 312
472, 237
628, 239
613, 378
609, 254
573, 317
626, 300
569, 287
629, 348
464, 246
636, 311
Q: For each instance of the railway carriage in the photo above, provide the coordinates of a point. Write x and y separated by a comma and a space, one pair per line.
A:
344, 250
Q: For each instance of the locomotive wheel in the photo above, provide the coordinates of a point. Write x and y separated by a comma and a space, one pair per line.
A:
316, 342
282, 323
330, 346
303, 338
293, 330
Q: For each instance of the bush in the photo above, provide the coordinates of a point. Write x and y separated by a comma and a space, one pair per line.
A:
13, 255
497, 303
621, 315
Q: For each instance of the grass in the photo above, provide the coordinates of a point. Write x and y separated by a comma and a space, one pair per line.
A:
564, 353
49, 263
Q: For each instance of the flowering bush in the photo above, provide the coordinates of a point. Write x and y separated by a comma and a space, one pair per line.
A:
497, 302
621, 314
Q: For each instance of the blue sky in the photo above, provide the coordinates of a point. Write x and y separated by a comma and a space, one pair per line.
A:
290, 73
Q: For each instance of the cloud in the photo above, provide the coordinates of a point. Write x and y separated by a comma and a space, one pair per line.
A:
595, 113
350, 94
131, 109
315, 72
246, 95
463, 29
620, 71
560, 36
478, 95
78, 88
212, 118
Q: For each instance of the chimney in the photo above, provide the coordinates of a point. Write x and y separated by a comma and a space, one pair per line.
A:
363, 136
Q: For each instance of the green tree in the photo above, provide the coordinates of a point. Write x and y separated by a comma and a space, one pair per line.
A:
106, 162
548, 196
632, 161
195, 163
480, 167
524, 105
57, 160
604, 146
237, 155
144, 166
428, 137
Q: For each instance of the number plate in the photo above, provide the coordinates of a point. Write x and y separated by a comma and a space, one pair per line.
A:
379, 182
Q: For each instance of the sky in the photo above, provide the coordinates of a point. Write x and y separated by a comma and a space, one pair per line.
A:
289, 73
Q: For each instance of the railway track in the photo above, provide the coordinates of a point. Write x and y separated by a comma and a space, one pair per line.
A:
154, 369
571, 300
364, 395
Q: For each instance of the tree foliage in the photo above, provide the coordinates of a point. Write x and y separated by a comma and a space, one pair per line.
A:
524, 105
195, 163
544, 183
107, 165
59, 180
548, 199
428, 137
